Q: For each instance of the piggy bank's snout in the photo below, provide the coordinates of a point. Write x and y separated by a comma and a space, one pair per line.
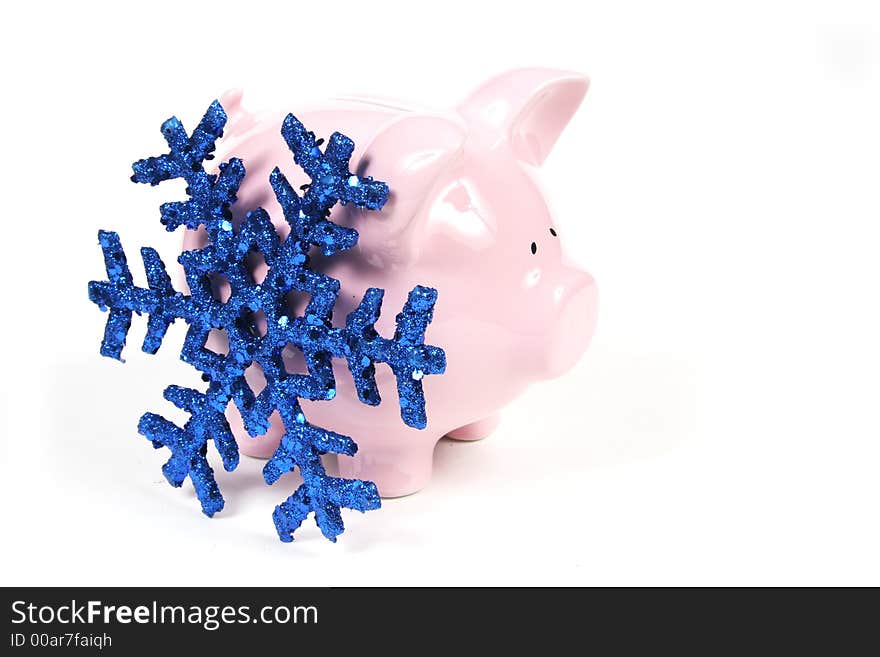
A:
576, 302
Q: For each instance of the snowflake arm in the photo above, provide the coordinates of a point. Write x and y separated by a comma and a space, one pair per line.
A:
189, 445
302, 447
210, 194
332, 182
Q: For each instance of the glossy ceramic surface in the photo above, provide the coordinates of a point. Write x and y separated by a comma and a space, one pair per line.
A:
467, 216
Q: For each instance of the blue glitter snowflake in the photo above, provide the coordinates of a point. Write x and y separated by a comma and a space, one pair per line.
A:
227, 253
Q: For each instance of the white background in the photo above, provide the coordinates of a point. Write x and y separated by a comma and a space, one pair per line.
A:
720, 181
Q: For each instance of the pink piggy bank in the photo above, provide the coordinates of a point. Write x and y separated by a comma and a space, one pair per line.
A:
466, 216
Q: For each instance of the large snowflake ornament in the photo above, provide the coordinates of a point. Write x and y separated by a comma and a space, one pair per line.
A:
227, 254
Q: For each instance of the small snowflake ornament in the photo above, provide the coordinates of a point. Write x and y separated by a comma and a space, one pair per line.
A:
227, 254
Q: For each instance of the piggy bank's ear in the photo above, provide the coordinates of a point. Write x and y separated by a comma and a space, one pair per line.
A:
409, 154
531, 106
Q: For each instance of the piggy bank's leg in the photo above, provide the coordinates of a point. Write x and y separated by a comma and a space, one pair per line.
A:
476, 430
261, 447
400, 466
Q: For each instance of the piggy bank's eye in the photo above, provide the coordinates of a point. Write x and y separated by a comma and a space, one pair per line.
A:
534, 248
553, 232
